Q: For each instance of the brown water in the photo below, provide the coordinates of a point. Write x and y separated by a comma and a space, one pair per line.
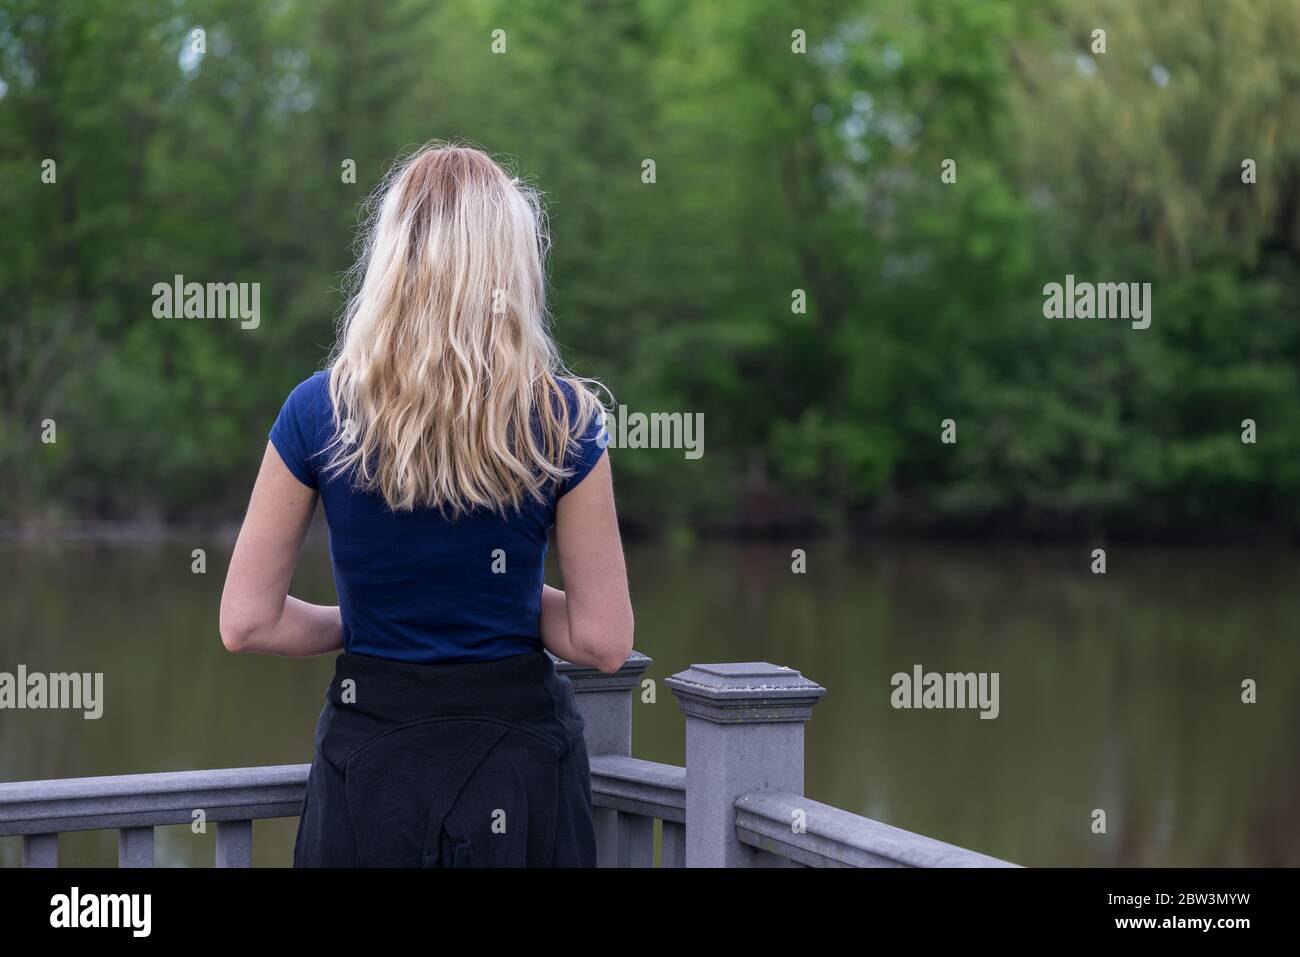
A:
1120, 692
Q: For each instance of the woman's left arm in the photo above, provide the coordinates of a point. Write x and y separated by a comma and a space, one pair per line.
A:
258, 615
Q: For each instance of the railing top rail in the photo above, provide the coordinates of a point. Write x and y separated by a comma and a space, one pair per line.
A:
158, 782
639, 787
832, 837
143, 800
617, 767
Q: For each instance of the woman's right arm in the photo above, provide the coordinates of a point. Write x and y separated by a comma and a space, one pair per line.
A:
257, 613
589, 623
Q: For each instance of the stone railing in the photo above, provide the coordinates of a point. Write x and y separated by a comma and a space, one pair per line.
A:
740, 795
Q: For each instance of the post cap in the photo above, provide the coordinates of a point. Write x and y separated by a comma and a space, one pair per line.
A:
746, 692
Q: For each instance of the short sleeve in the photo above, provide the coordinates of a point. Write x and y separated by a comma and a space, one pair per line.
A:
296, 429
590, 446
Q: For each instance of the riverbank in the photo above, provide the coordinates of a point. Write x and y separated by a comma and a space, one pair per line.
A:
1001, 532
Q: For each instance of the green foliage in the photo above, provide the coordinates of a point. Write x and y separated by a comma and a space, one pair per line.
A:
776, 171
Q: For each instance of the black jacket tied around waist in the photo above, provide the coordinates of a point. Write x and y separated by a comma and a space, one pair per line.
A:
476, 764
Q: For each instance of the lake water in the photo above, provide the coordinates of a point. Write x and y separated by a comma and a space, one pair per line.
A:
1119, 692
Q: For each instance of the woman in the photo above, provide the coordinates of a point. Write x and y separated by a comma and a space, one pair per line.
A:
444, 442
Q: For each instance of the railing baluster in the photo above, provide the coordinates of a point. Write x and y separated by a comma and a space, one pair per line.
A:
40, 850
640, 840
135, 847
674, 844
234, 844
611, 841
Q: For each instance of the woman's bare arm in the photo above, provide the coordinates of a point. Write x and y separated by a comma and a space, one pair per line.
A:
257, 613
590, 622
555, 630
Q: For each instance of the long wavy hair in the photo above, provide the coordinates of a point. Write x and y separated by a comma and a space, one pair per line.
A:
444, 378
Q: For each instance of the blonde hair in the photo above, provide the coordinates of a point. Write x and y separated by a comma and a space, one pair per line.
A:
445, 382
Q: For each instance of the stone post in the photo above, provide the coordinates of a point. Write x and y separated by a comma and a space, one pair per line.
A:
605, 703
744, 732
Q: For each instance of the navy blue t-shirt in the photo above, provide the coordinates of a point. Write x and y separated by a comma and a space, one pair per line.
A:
417, 586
